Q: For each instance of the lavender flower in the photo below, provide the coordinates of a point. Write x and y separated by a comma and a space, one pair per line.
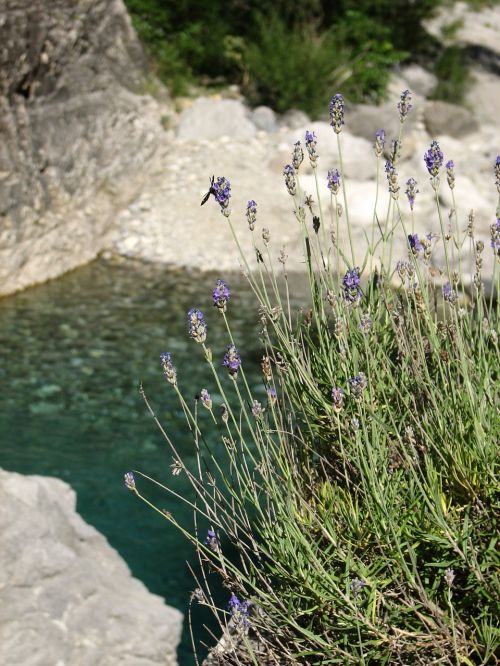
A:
239, 612
411, 191
266, 235
449, 294
379, 144
495, 236
211, 540
297, 155
251, 214
224, 414
290, 182
337, 398
356, 586
333, 181
392, 178
197, 325
168, 369
272, 396
405, 270
337, 112
206, 399
351, 286
221, 295
434, 161
450, 173
395, 151
257, 410
130, 481
311, 147
357, 384
415, 244
497, 172
449, 576
365, 323
232, 361
221, 190
404, 106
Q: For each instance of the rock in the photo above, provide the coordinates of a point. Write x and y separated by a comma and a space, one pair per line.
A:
483, 96
294, 119
420, 80
443, 118
264, 119
74, 135
364, 120
67, 596
212, 119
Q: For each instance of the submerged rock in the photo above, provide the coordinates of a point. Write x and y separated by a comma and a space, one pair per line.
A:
67, 596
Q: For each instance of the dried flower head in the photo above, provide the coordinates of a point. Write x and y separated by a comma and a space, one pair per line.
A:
337, 398
239, 613
290, 182
257, 409
411, 191
449, 294
266, 236
311, 147
337, 112
297, 155
356, 586
251, 214
449, 576
495, 236
450, 173
221, 295
333, 181
365, 323
497, 172
197, 326
206, 399
130, 481
404, 105
224, 414
221, 190
266, 368
357, 385
379, 144
176, 467
168, 369
272, 396
232, 361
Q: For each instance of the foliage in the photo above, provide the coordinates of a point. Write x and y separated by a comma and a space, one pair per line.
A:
271, 52
362, 499
453, 75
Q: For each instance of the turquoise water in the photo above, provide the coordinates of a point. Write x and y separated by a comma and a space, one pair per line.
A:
73, 353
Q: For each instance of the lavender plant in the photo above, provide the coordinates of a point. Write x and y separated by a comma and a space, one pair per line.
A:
362, 499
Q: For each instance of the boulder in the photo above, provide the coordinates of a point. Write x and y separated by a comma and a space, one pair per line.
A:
74, 135
264, 119
294, 119
444, 118
214, 118
420, 80
67, 596
364, 120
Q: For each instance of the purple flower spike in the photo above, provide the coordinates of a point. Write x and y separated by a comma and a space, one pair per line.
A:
495, 236
221, 190
211, 540
297, 155
251, 214
450, 173
434, 161
168, 369
333, 181
404, 106
290, 182
337, 112
232, 361
411, 191
351, 287
379, 142
221, 295
392, 179
311, 147
197, 325
415, 244
239, 612
497, 173
449, 294
357, 384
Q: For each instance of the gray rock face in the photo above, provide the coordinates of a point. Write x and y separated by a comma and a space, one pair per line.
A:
68, 599
72, 132
214, 118
420, 80
264, 119
443, 118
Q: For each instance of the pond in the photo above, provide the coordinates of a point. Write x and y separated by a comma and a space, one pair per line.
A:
75, 351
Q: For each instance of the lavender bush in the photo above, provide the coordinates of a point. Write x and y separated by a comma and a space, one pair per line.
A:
362, 498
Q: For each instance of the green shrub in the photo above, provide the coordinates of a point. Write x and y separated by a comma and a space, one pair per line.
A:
362, 499
452, 71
